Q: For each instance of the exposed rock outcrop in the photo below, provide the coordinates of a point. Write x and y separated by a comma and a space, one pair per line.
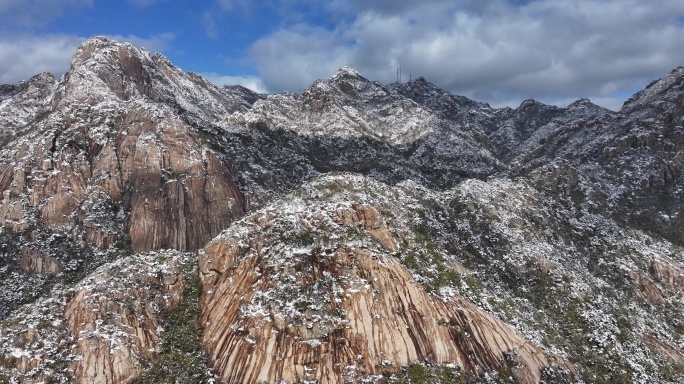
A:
555, 177
372, 221
110, 164
386, 320
336, 310
35, 261
104, 331
413, 231
115, 320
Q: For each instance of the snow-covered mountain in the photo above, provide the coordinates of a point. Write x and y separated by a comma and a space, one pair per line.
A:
157, 228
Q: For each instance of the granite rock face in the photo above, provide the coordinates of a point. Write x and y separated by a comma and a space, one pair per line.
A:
310, 291
104, 145
157, 228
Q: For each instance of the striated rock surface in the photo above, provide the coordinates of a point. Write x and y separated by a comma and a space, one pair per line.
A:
302, 292
35, 261
394, 233
384, 320
114, 317
106, 329
109, 159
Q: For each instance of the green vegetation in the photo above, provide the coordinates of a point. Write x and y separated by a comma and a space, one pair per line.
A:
123, 244
303, 238
417, 373
427, 373
353, 232
332, 188
7, 363
182, 358
426, 259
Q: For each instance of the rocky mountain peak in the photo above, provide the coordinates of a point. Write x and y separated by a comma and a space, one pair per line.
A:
585, 107
346, 72
101, 67
656, 89
41, 80
528, 103
97, 46
20, 103
579, 103
157, 228
419, 87
353, 85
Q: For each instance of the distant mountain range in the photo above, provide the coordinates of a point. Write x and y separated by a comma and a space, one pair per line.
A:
155, 228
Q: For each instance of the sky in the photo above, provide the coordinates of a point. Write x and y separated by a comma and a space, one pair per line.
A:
498, 51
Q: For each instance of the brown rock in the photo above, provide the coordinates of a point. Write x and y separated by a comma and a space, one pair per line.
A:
12, 214
56, 211
6, 178
35, 261
664, 349
386, 320
184, 212
644, 287
116, 321
100, 237
668, 272
369, 218
180, 194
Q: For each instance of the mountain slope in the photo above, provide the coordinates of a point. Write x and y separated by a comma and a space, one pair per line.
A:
356, 232
108, 167
312, 288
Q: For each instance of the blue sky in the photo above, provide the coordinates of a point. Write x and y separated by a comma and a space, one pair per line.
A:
497, 51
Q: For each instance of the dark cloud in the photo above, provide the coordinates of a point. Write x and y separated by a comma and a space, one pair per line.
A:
498, 51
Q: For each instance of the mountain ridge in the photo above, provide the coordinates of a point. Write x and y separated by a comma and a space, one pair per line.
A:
306, 209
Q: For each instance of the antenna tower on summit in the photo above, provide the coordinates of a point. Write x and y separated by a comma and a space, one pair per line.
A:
399, 74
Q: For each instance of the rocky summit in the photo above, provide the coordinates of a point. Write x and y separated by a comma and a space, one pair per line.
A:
155, 228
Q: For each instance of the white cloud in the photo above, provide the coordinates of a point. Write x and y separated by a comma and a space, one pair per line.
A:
21, 57
292, 59
491, 51
209, 25
156, 43
252, 82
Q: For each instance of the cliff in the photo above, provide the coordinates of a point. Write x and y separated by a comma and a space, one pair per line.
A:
157, 228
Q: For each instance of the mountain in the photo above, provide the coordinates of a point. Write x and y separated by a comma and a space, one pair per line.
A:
157, 228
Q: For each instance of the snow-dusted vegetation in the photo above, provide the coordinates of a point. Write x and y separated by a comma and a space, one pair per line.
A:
156, 228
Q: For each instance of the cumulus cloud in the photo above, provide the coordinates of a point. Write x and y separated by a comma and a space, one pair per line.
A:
252, 82
291, 59
21, 57
493, 51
